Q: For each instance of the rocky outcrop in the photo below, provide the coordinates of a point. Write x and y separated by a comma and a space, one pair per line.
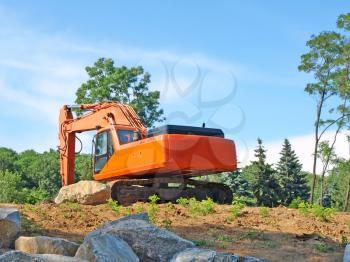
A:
106, 247
46, 245
207, 255
19, 256
10, 226
84, 192
149, 242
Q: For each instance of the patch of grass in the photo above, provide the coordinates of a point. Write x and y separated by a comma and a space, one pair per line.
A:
202, 242
269, 244
139, 209
114, 205
264, 211
225, 238
203, 207
31, 228
167, 223
322, 213
221, 245
182, 201
127, 210
71, 205
170, 207
236, 211
251, 235
323, 247
32, 208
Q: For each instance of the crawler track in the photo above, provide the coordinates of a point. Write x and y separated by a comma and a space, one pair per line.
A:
129, 191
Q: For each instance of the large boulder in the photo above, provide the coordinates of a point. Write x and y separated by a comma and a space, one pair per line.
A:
10, 226
207, 255
46, 245
84, 192
19, 256
147, 241
106, 247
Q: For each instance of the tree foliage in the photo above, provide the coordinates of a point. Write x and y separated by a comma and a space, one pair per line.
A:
121, 84
292, 180
265, 186
238, 184
30, 177
328, 60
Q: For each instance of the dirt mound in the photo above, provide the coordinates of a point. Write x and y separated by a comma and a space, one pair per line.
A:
278, 234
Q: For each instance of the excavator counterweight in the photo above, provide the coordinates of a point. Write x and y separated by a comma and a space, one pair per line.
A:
137, 162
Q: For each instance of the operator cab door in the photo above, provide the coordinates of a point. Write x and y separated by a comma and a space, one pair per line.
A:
103, 150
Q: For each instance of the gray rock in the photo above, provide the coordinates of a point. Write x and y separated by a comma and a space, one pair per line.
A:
106, 247
147, 241
346, 257
18, 256
59, 258
84, 192
46, 245
207, 255
10, 226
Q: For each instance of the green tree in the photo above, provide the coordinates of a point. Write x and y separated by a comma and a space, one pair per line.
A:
265, 186
11, 185
329, 61
8, 158
83, 167
292, 180
237, 183
121, 84
327, 155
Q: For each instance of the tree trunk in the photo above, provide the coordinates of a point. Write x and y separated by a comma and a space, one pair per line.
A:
346, 200
317, 139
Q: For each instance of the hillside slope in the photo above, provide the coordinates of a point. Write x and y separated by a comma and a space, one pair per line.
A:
278, 234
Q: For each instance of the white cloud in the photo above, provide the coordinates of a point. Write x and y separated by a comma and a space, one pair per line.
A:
303, 147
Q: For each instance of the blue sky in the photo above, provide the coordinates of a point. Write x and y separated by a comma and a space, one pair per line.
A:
232, 65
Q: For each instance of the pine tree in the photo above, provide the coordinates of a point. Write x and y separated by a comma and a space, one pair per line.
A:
292, 180
265, 186
238, 184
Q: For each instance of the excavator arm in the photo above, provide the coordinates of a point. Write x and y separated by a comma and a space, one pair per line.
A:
101, 116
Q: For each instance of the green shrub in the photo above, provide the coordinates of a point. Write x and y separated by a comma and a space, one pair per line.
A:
236, 210
304, 208
204, 207
296, 202
322, 213
153, 209
183, 201
114, 205
264, 211
153, 199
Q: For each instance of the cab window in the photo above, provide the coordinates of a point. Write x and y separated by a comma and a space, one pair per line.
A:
103, 150
127, 136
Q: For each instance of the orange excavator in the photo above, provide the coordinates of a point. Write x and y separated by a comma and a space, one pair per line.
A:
138, 163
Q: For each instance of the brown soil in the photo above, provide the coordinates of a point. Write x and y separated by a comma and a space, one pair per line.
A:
282, 235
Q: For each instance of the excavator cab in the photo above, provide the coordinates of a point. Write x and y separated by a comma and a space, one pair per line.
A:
103, 149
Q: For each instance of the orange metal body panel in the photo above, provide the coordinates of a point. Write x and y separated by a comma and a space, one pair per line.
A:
164, 154
171, 153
